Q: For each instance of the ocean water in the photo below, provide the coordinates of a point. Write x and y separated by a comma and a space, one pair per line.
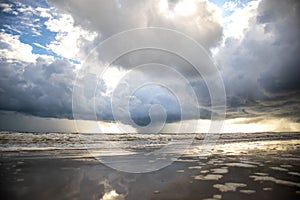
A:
18, 141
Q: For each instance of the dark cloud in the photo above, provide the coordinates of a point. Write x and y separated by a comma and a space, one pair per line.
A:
141, 103
40, 89
281, 20
15, 121
110, 17
261, 71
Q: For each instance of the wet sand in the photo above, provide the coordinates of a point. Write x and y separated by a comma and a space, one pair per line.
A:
267, 170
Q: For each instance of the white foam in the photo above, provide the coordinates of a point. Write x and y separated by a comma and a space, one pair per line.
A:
229, 186
261, 174
204, 171
208, 177
272, 179
240, 165
195, 167
286, 166
219, 171
248, 191
294, 173
279, 169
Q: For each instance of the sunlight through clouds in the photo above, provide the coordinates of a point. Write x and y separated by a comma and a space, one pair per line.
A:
253, 43
68, 40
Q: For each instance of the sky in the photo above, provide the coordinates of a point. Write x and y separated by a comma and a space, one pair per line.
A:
56, 71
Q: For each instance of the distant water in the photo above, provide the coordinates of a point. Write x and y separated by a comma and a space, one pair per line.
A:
17, 141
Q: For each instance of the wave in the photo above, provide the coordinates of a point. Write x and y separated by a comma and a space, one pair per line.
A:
18, 141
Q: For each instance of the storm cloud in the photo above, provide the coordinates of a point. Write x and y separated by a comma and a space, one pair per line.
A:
39, 89
260, 70
111, 17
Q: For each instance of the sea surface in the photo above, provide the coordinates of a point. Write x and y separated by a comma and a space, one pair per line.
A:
65, 166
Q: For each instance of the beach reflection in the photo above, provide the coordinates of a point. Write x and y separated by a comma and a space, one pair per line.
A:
110, 193
232, 171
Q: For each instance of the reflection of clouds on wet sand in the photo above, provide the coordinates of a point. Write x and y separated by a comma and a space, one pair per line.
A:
241, 148
225, 174
210, 177
247, 191
229, 186
279, 169
277, 181
220, 170
110, 193
240, 165
294, 173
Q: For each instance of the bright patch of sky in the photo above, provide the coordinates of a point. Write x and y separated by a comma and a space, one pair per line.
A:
48, 32
27, 21
235, 17
43, 28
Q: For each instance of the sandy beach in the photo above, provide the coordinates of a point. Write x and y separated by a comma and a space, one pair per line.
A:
265, 168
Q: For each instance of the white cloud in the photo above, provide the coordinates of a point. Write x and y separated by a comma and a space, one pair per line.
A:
261, 44
39, 45
260, 68
46, 12
68, 40
229, 6
110, 17
14, 49
236, 23
42, 88
6, 7
185, 8
111, 77
200, 21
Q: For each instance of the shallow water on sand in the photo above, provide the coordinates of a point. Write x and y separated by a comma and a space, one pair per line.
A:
264, 168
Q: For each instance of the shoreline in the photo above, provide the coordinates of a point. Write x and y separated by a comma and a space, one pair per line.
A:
262, 169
